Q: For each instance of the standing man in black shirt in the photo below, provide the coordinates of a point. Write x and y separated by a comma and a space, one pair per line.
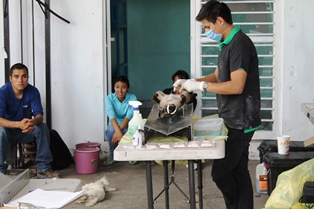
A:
236, 84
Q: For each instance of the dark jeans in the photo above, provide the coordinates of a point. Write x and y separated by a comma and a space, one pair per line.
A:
40, 134
231, 173
109, 134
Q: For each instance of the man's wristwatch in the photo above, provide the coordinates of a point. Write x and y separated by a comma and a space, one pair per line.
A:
205, 85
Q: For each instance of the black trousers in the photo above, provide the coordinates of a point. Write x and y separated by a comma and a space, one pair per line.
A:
231, 173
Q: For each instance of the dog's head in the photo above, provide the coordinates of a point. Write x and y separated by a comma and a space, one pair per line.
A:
104, 181
170, 103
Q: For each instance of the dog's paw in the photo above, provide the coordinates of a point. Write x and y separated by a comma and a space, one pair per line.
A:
82, 199
91, 202
110, 189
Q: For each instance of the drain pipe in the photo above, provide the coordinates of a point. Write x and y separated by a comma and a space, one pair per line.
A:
6, 30
48, 64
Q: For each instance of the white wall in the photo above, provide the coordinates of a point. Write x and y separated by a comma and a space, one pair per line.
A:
77, 77
78, 64
294, 47
294, 51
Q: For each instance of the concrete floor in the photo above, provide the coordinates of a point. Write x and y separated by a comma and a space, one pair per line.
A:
130, 182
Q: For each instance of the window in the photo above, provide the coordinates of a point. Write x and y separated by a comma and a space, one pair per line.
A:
256, 20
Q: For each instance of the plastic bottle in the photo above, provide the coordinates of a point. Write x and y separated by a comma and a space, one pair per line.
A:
137, 139
261, 179
136, 119
141, 131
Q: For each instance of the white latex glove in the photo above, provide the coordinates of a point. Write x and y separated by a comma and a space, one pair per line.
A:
178, 84
192, 85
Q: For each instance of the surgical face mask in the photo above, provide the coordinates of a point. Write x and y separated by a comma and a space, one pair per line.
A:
214, 36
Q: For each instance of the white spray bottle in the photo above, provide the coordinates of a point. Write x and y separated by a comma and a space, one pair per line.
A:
137, 118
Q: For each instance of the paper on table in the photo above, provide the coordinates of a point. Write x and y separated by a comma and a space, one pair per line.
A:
46, 199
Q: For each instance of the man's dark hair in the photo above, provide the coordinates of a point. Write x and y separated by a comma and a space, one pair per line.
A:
213, 9
123, 79
181, 74
18, 66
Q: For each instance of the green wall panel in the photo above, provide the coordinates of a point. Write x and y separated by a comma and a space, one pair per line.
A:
158, 43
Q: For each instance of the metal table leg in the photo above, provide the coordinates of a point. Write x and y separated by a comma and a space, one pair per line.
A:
149, 184
166, 183
200, 183
191, 184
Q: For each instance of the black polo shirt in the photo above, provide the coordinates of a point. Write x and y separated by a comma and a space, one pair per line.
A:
239, 111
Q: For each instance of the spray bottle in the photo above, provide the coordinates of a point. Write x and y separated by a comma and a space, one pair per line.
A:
136, 119
141, 131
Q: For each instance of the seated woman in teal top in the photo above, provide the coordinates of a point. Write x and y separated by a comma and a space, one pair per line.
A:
119, 113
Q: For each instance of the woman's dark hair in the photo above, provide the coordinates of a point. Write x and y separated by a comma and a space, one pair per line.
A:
18, 66
123, 79
181, 74
213, 9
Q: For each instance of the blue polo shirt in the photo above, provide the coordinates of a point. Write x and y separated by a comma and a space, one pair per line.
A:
119, 110
14, 109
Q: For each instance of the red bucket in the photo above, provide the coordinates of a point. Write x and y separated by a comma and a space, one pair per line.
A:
86, 160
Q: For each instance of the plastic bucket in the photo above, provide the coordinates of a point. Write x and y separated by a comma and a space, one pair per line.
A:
86, 160
87, 145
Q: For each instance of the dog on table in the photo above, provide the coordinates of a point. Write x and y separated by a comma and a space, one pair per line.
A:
95, 192
169, 104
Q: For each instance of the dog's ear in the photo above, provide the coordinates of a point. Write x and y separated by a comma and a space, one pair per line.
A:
183, 99
104, 180
193, 96
157, 97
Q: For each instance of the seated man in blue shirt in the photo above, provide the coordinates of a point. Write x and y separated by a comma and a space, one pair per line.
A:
17, 99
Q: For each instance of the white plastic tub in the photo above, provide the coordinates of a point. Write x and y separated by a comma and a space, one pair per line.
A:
208, 127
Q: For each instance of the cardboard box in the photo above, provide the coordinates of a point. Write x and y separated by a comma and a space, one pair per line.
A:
309, 141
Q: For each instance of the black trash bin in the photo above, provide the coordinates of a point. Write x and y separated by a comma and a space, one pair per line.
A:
279, 163
270, 145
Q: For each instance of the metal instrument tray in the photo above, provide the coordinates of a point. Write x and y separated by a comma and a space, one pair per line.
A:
168, 125
10, 189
